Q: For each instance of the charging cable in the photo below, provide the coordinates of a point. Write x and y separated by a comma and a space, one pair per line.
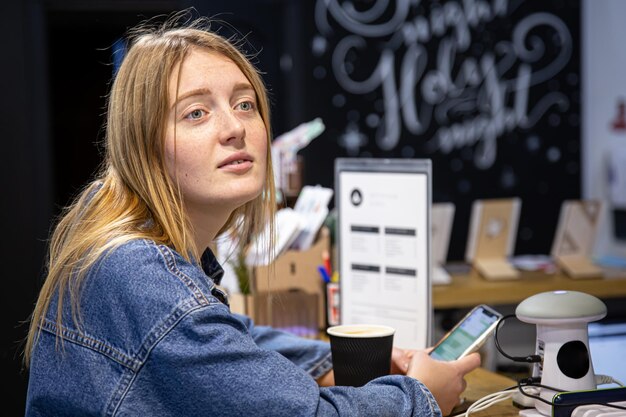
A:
492, 399
527, 359
488, 401
605, 379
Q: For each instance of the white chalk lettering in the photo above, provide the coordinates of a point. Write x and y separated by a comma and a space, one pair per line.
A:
469, 100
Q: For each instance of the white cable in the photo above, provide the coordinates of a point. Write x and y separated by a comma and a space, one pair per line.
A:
606, 379
486, 404
489, 400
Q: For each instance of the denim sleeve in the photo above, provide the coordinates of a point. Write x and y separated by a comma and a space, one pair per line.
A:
392, 395
208, 364
311, 355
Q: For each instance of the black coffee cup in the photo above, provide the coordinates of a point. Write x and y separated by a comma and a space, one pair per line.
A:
361, 352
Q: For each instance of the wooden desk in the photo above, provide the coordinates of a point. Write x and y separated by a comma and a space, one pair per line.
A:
481, 382
472, 289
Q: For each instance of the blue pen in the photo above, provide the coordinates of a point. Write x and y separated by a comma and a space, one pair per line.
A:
323, 273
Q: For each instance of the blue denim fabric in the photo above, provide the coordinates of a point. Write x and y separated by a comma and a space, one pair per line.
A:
155, 340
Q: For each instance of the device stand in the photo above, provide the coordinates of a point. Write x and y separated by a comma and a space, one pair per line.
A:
567, 364
562, 340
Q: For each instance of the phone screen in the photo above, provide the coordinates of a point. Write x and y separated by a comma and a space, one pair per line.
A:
465, 334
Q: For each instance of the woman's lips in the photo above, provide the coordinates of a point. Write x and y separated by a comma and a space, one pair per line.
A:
237, 166
236, 159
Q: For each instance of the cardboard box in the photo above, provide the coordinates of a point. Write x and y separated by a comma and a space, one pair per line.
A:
292, 311
296, 270
290, 294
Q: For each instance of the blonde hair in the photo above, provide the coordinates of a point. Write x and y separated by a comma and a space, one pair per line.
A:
133, 197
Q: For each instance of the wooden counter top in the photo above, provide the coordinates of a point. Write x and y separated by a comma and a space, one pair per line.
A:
472, 289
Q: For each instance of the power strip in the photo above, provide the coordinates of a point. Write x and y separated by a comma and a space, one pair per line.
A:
590, 410
589, 403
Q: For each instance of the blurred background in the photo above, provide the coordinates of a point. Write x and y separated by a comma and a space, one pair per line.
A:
507, 98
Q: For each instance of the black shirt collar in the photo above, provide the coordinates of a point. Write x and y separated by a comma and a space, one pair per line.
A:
211, 266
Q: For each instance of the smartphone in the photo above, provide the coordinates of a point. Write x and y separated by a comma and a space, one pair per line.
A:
468, 335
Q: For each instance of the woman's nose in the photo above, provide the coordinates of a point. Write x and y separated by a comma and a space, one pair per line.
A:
232, 128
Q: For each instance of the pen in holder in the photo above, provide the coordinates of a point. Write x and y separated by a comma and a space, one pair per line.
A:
332, 303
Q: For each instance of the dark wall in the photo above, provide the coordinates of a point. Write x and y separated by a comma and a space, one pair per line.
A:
25, 181
80, 48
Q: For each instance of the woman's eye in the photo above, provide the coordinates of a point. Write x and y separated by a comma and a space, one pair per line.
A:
246, 106
195, 114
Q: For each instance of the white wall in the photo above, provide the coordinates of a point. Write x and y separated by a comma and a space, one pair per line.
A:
603, 39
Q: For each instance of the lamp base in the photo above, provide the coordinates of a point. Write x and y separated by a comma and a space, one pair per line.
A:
531, 412
522, 401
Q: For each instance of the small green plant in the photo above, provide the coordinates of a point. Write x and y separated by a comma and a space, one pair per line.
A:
242, 272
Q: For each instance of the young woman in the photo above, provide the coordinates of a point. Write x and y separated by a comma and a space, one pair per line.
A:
129, 320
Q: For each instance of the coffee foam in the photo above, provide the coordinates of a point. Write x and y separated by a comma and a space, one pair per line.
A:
361, 330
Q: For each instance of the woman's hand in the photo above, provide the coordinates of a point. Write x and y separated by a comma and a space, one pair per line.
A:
327, 380
400, 359
443, 379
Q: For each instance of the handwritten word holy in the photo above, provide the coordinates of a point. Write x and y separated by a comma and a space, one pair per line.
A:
473, 99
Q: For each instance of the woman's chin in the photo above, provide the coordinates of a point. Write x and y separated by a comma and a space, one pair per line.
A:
243, 198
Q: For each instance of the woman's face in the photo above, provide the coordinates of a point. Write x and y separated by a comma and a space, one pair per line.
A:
216, 141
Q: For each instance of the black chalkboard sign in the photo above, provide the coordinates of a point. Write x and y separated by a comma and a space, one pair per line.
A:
488, 90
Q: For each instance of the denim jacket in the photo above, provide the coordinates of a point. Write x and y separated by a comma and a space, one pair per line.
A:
157, 339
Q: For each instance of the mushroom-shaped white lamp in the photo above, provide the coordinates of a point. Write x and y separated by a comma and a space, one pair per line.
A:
562, 340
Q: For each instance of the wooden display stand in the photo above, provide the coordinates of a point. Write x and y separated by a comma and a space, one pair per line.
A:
575, 238
495, 268
492, 235
442, 218
577, 266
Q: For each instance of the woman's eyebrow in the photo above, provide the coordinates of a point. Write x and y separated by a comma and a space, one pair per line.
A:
191, 93
243, 87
